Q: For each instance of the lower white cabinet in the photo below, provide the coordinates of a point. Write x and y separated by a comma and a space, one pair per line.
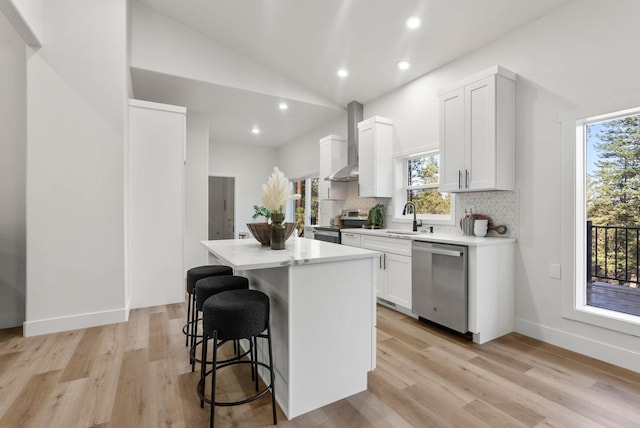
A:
351, 239
393, 282
396, 279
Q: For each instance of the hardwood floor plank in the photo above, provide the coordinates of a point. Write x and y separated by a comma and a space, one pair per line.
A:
137, 374
164, 396
130, 408
101, 387
65, 407
26, 409
578, 403
493, 389
83, 356
491, 415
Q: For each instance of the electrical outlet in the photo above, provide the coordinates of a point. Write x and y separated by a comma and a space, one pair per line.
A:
554, 270
471, 209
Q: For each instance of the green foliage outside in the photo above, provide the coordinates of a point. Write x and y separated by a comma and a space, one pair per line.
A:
424, 171
613, 197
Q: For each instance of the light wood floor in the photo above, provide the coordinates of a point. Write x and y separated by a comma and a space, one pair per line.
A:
136, 374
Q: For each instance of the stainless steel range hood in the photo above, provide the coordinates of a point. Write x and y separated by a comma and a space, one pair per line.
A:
350, 172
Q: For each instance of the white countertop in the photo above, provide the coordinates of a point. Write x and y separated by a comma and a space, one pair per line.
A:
445, 238
247, 254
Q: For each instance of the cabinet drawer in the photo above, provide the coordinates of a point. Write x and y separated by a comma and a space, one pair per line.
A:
352, 239
388, 245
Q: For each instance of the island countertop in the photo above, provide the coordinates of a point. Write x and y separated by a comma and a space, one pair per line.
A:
248, 254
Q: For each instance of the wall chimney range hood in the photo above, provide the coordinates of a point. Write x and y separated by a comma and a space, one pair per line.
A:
350, 172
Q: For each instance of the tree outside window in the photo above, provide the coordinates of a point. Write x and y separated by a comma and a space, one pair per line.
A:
422, 185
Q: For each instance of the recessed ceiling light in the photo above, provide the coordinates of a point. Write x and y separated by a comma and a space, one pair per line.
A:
404, 64
255, 130
343, 73
283, 106
413, 22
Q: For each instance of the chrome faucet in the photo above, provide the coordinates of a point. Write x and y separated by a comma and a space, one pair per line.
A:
413, 209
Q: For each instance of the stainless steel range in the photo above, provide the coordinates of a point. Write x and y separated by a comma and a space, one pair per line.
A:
349, 219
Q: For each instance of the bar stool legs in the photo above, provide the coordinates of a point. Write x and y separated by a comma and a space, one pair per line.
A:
232, 315
193, 275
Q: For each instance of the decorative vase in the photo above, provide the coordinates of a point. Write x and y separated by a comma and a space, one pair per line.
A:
277, 231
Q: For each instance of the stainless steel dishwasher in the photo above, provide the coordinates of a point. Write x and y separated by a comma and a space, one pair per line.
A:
439, 283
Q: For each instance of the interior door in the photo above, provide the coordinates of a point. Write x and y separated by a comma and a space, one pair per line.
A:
221, 207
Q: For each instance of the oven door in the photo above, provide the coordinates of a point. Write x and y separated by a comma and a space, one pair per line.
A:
327, 235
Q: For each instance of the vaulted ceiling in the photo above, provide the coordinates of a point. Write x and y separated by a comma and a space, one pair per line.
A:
307, 41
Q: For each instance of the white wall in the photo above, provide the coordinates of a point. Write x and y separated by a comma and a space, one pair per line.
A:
300, 157
76, 98
12, 176
251, 165
196, 190
580, 54
159, 43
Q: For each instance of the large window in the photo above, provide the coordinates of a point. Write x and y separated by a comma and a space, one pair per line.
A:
419, 175
601, 149
613, 212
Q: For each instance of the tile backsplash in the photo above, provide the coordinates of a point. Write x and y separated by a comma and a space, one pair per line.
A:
500, 206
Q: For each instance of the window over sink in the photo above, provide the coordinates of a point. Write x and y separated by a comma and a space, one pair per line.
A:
417, 179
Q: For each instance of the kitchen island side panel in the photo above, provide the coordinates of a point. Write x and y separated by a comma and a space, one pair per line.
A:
331, 329
322, 328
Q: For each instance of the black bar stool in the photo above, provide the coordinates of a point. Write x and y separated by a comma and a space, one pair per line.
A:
233, 315
207, 287
193, 275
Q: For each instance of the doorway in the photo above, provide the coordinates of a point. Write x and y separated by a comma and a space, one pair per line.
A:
221, 207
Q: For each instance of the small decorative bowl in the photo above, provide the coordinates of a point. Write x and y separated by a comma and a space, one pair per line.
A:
262, 231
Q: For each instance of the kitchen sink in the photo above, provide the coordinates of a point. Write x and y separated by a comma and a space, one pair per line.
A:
402, 232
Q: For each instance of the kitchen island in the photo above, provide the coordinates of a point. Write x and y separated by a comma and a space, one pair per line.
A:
323, 315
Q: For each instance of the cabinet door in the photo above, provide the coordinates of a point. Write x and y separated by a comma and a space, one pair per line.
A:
351, 239
325, 170
452, 141
366, 161
155, 272
333, 156
480, 130
398, 279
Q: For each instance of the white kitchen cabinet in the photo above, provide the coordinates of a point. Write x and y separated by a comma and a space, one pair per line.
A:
351, 239
309, 232
394, 269
375, 137
155, 204
333, 156
477, 133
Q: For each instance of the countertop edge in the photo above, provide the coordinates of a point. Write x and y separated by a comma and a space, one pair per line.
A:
436, 237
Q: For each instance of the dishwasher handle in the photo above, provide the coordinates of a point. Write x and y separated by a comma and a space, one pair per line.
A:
442, 252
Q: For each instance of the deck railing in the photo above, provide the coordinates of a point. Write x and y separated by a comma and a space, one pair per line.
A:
613, 254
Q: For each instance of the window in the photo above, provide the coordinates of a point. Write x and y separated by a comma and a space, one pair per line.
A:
596, 179
419, 173
612, 173
306, 208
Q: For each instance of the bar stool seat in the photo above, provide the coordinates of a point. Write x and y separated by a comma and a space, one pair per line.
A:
207, 287
234, 315
193, 275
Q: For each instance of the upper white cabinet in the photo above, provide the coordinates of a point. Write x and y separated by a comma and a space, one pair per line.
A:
333, 156
375, 137
477, 133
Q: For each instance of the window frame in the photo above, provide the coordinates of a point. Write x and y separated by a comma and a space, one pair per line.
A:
401, 187
573, 215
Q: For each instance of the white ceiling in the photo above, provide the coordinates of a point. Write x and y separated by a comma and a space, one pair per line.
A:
306, 41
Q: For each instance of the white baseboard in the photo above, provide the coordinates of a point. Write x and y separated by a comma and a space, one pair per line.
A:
621, 357
74, 322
